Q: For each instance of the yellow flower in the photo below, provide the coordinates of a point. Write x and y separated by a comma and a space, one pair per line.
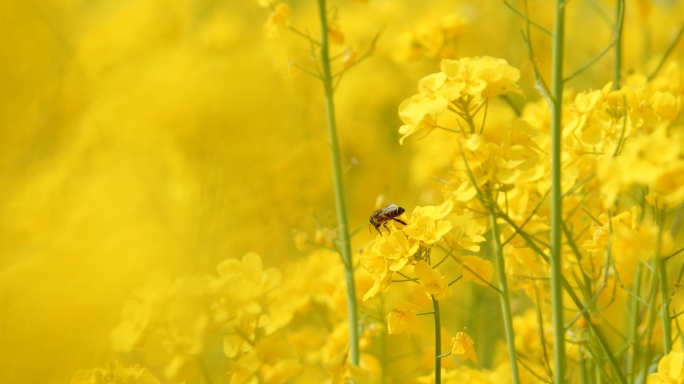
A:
666, 105
462, 241
349, 58
486, 77
669, 369
426, 230
397, 248
342, 371
477, 269
375, 263
420, 112
403, 318
433, 283
278, 19
462, 345
436, 211
300, 239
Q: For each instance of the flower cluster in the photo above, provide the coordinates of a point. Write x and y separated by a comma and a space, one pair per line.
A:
408, 250
463, 86
171, 322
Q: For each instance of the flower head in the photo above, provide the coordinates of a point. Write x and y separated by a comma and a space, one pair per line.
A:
462, 345
426, 225
403, 318
433, 283
477, 269
278, 19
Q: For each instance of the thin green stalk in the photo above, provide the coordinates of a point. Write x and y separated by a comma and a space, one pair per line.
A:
617, 65
667, 53
341, 210
556, 239
664, 298
632, 331
603, 343
438, 341
383, 356
505, 301
646, 351
582, 367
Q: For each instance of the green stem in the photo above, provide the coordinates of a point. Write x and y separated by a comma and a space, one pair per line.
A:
343, 228
505, 302
438, 341
556, 199
467, 116
582, 367
646, 351
619, 17
632, 331
383, 355
664, 300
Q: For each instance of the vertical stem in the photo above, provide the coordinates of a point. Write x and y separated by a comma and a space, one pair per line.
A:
646, 351
383, 355
339, 186
664, 296
617, 65
590, 371
556, 202
582, 367
632, 331
438, 341
505, 303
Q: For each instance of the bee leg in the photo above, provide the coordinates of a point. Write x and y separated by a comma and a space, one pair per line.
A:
385, 225
377, 229
397, 220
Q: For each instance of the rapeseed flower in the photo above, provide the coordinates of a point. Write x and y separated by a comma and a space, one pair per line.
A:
669, 369
403, 318
426, 225
462, 345
478, 270
432, 282
278, 19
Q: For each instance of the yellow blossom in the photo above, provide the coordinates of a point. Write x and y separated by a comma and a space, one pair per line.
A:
375, 263
403, 318
335, 32
478, 270
349, 58
397, 248
433, 283
669, 369
426, 228
486, 77
469, 243
462, 345
420, 112
300, 238
342, 371
278, 19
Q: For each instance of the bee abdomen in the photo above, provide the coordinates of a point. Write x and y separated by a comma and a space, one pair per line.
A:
395, 211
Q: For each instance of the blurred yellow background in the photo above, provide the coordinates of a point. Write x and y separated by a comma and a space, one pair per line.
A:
144, 135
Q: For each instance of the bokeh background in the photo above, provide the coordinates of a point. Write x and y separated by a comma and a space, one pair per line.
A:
168, 135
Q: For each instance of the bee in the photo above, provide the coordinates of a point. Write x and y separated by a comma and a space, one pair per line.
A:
381, 216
